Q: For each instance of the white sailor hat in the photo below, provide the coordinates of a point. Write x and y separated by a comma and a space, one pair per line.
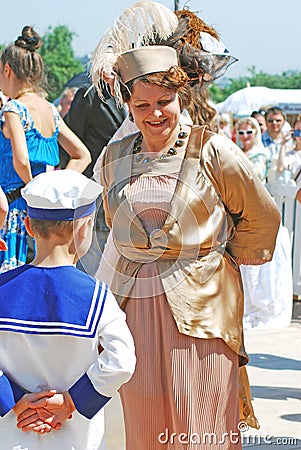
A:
61, 195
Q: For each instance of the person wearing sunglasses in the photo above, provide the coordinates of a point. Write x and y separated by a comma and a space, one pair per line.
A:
267, 288
260, 117
272, 138
249, 140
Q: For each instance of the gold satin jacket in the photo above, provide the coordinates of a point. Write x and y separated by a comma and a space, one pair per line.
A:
220, 211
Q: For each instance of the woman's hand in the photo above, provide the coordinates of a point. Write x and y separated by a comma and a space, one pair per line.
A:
109, 78
249, 261
287, 137
281, 162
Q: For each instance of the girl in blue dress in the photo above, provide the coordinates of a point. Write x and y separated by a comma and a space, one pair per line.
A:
30, 130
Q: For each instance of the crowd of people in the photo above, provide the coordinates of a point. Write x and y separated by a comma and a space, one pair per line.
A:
272, 145
272, 148
135, 235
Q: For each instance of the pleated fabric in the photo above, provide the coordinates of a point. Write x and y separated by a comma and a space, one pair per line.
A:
184, 392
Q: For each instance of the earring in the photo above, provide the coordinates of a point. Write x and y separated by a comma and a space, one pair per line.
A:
131, 117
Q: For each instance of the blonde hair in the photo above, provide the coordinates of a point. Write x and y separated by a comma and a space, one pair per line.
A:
255, 125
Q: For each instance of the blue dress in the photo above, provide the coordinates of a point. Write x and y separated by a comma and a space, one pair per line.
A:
42, 151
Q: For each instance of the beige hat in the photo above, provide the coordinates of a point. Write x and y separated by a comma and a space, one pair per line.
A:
143, 60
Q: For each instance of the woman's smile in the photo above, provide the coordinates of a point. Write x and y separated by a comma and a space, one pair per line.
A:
156, 112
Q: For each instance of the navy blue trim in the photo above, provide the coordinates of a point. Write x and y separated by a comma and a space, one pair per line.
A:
10, 394
61, 214
86, 399
53, 308
59, 328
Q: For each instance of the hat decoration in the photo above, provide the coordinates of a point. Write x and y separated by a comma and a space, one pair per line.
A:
139, 25
61, 195
201, 53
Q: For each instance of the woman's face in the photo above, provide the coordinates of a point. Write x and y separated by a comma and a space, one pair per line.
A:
156, 110
246, 135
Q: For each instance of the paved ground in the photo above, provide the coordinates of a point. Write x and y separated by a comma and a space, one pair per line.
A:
275, 378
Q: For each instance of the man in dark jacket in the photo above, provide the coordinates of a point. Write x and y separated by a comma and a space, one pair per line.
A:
94, 121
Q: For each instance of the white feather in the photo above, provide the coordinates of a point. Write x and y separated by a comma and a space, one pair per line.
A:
145, 20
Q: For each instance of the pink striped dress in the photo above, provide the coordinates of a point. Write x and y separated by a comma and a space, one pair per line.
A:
184, 392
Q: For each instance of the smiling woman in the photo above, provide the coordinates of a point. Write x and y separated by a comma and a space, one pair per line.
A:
155, 109
249, 139
176, 272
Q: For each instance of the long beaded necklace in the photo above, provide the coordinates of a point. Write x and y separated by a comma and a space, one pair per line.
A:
140, 157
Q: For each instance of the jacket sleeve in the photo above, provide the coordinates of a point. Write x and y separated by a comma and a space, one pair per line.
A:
106, 176
78, 114
254, 213
114, 366
10, 394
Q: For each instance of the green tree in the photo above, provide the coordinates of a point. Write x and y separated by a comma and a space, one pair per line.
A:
287, 80
59, 60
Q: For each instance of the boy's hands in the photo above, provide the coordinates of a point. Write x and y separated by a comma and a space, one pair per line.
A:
43, 411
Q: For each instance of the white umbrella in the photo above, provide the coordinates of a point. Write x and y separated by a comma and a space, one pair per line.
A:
246, 100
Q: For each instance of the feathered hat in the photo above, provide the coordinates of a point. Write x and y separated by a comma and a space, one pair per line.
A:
200, 52
139, 25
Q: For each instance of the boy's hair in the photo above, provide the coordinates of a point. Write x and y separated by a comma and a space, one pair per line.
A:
45, 228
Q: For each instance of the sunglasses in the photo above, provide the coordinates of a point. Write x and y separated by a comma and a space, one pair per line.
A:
246, 132
274, 120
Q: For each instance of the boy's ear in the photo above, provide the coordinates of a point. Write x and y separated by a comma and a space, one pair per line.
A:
84, 228
81, 230
28, 227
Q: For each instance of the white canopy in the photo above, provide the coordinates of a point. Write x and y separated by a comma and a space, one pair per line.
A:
249, 99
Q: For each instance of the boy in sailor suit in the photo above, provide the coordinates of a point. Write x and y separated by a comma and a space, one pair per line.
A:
53, 320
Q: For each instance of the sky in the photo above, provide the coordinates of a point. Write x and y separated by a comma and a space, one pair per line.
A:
260, 33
